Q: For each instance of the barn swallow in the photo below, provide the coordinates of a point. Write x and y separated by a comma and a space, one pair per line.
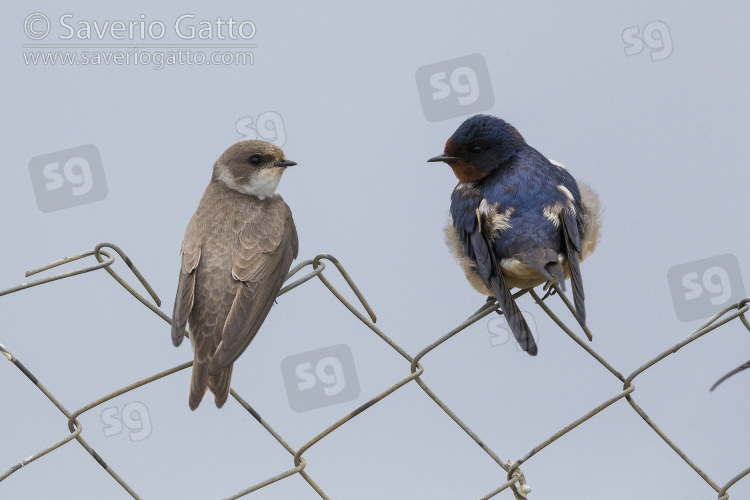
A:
516, 218
743, 366
237, 251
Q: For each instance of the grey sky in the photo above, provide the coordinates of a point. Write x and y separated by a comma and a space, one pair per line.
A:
663, 141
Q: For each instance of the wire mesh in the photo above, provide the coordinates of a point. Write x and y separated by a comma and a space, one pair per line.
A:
516, 481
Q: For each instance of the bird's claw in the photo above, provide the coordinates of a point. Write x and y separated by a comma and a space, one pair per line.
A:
550, 290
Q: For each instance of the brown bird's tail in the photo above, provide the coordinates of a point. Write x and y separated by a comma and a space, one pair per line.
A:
198, 383
219, 385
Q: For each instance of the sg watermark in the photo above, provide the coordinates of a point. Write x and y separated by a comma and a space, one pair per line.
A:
501, 334
701, 288
132, 41
268, 126
68, 178
318, 378
134, 417
456, 87
655, 35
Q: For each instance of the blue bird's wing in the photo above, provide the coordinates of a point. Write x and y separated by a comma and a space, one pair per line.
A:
571, 226
565, 189
469, 221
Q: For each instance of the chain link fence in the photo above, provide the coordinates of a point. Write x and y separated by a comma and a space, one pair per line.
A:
104, 253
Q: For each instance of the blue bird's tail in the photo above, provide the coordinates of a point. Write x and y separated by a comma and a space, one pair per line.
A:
513, 316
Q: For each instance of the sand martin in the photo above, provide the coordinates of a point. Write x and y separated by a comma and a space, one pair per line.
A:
237, 251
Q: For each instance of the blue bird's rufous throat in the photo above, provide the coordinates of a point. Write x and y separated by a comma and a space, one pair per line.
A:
465, 170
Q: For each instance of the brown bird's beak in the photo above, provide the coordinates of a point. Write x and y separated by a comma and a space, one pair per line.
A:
442, 158
286, 163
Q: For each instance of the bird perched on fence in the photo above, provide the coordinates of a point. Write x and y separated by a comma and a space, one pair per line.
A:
237, 251
516, 219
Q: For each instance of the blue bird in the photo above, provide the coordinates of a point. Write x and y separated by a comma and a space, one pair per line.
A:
516, 219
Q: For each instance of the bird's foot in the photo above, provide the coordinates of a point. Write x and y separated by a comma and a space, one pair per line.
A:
550, 291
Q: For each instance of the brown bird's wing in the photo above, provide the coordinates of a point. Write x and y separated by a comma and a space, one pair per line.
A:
268, 246
183, 302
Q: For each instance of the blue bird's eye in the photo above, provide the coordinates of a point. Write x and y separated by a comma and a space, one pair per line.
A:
476, 149
254, 160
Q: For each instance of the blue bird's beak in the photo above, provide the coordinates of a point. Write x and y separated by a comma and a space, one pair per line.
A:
442, 158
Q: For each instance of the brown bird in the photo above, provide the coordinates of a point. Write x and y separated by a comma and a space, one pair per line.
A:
237, 251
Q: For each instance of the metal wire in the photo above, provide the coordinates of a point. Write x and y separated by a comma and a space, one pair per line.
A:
516, 481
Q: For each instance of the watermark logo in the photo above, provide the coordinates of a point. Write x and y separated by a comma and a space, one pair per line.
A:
318, 378
268, 126
501, 333
455, 87
36, 26
68, 178
134, 417
655, 36
701, 288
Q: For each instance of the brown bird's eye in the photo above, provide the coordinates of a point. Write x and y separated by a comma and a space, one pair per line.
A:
254, 160
476, 150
